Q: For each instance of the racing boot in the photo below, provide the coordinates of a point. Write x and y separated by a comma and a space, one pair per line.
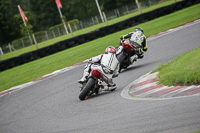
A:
84, 78
140, 56
112, 87
133, 58
108, 88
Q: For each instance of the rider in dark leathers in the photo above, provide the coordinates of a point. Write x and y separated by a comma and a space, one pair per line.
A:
138, 37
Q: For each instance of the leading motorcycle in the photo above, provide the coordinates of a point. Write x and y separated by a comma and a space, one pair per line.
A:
130, 48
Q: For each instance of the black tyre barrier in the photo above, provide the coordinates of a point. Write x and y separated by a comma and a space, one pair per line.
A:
81, 40
101, 32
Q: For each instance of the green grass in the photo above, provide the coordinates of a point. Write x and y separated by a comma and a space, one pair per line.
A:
38, 68
86, 30
183, 70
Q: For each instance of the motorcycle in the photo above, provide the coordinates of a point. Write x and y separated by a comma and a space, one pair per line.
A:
92, 84
130, 48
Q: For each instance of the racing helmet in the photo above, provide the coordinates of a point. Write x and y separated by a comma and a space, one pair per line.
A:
139, 29
110, 49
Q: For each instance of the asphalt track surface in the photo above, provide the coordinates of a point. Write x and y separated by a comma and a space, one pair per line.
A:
52, 105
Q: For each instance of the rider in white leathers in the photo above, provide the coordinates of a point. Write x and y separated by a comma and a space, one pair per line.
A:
108, 64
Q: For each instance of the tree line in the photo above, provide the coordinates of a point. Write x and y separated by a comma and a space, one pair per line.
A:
43, 14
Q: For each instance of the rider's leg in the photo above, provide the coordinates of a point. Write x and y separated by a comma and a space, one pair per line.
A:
111, 86
133, 58
140, 54
85, 73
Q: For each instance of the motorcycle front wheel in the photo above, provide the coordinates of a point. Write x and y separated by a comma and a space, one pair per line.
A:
86, 89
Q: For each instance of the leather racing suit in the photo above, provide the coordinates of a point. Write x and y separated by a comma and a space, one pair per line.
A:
137, 37
108, 64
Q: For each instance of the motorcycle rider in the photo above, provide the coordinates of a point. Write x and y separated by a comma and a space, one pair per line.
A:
138, 37
108, 64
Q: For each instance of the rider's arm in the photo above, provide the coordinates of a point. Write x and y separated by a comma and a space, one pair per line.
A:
95, 59
126, 36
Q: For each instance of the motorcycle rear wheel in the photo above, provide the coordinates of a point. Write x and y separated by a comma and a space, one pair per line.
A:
86, 89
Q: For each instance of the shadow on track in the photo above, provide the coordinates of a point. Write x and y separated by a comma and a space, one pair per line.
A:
101, 94
132, 67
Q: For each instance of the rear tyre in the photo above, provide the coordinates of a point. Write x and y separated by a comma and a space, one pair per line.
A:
86, 89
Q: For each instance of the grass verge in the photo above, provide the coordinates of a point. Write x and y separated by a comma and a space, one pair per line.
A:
38, 68
183, 70
86, 30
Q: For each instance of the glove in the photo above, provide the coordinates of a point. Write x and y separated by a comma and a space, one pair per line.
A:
122, 37
145, 49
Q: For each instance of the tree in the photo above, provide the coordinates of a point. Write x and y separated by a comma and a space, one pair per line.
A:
20, 28
9, 25
45, 14
79, 9
108, 5
4, 22
25, 4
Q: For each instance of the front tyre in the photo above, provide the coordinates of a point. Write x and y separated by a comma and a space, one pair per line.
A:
86, 89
